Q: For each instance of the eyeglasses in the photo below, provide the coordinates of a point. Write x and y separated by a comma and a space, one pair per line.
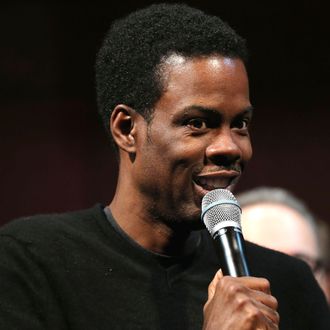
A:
315, 264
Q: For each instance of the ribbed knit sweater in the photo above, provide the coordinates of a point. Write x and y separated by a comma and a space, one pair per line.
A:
79, 271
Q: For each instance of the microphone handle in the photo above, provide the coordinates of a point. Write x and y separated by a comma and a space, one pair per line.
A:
232, 252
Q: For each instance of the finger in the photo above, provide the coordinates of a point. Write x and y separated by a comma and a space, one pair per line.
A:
267, 305
266, 299
267, 324
270, 313
256, 283
212, 286
259, 316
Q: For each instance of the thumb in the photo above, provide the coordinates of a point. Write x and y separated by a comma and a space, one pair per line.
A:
212, 286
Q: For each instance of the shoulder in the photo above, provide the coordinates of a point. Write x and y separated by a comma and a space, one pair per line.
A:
301, 302
273, 264
261, 257
45, 227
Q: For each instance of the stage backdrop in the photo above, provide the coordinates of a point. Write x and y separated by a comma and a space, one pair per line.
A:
54, 153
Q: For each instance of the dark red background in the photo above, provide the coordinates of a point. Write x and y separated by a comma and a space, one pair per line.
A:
54, 152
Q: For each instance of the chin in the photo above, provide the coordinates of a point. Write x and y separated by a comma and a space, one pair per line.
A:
186, 225
191, 221
198, 225
186, 217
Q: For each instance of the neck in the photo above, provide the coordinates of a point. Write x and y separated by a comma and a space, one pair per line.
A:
153, 235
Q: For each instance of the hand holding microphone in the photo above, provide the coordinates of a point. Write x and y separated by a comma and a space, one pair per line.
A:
236, 301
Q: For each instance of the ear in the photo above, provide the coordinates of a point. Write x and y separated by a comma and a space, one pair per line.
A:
123, 123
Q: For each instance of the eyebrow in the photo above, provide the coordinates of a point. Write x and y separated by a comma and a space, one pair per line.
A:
214, 112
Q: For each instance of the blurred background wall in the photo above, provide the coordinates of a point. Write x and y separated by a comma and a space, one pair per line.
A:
54, 154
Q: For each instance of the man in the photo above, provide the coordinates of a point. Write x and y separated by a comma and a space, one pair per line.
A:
274, 218
173, 93
324, 235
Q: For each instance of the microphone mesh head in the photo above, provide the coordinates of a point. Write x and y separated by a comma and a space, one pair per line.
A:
220, 209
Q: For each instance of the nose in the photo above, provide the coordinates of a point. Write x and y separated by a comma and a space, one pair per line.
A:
223, 148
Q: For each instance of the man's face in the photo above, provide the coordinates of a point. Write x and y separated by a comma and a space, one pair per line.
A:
280, 228
198, 138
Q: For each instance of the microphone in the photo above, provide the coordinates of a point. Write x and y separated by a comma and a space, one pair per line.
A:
221, 215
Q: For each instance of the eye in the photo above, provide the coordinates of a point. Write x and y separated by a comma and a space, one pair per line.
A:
197, 123
242, 124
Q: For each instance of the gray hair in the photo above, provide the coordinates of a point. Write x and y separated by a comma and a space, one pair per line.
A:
280, 196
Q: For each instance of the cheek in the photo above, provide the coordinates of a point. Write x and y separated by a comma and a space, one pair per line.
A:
188, 155
179, 149
249, 152
246, 149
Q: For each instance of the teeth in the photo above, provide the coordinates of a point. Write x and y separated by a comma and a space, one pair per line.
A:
214, 183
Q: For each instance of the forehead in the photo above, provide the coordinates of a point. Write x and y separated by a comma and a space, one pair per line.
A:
175, 65
280, 227
277, 217
214, 80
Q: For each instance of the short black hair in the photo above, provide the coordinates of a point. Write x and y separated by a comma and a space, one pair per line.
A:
127, 65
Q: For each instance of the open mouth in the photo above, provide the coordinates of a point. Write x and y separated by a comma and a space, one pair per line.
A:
213, 183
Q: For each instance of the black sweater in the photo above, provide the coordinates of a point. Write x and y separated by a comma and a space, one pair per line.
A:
79, 271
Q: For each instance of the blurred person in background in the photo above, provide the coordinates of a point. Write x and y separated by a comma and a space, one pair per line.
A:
276, 219
324, 236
